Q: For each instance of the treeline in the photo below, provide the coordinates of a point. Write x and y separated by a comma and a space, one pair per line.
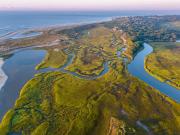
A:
146, 28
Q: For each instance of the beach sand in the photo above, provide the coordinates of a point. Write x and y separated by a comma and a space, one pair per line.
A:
3, 76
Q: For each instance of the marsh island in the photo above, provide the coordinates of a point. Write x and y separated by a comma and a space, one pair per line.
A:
81, 85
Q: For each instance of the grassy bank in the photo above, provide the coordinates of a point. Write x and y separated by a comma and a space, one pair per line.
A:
164, 62
57, 103
55, 58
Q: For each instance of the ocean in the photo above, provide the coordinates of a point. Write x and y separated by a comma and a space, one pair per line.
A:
12, 22
20, 67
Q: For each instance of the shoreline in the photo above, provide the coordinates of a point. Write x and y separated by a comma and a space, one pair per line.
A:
3, 76
158, 77
14, 49
9, 36
5, 48
11, 50
163, 87
36, 97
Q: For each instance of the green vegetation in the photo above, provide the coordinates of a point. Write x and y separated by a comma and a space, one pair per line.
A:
55, 59
56, 103
147, 28
164, 62
95, 46
175, 25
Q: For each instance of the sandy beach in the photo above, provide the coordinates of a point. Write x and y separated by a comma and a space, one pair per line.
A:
3, 76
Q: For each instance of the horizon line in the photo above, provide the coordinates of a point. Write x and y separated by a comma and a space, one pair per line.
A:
89, 10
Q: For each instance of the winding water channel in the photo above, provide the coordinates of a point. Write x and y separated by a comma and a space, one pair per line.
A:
136, 68
20, 67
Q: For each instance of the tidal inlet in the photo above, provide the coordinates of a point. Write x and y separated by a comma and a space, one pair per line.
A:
89, 70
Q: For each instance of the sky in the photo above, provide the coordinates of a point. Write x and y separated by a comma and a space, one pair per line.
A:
89, 4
